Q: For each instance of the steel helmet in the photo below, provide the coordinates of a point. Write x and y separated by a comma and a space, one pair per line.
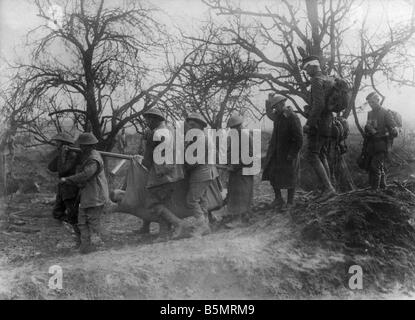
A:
235, 120
276, 99
197, 117
154, 112
372, 95
64, 137
87, 138
308, 59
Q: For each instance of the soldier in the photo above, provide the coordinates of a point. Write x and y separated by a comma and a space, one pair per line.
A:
282, 160
91, 180
240, 187
162, 177
318, 126
199, 176
380, 131
67, 198
121, 141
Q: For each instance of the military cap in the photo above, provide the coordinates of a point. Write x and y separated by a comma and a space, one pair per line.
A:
197, 117
64, 137
154, 112
276, 99
87, 138
235, 120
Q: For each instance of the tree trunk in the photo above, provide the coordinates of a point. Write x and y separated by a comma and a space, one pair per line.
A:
312, 14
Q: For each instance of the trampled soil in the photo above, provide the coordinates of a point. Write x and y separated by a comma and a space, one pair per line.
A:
302, 253
305, 253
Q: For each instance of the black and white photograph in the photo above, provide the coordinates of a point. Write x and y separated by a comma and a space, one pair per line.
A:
217, 151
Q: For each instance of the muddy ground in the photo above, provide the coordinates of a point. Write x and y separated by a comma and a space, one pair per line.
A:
304, 253
272, 257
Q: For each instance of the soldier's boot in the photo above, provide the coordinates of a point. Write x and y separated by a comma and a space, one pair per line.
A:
96, 240
145, 228
164, 228
278, 201
181, 228
290, 199
77, 236
86, 245
375, 183
201, 226
329, 190
382, 183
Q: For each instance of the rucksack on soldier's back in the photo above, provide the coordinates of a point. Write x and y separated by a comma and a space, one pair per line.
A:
337, 94
397, 118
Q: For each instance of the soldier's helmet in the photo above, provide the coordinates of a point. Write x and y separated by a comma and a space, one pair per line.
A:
373, 95
235, 120
197, 117
87, 138
308, 59
276, 99
154, 112
64, 137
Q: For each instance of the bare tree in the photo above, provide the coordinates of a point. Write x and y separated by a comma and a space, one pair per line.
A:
94, 62
279, 38
24, 112
215, 80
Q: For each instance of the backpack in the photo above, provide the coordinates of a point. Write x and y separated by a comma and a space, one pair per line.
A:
337, 94
397, 118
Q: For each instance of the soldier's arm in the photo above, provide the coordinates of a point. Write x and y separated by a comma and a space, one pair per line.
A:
318, 105
296, 137
71, 160
87, 173
53, 165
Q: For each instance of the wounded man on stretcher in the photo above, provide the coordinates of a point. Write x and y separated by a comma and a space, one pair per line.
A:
133, 199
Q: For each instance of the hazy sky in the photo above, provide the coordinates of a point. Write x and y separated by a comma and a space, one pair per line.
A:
17, 17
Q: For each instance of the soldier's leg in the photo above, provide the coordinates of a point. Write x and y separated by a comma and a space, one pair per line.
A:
58, 211
196, 202
383, 184
145, 227
324, 159
72, 206
94, 222
278, 200
375, 169
314, 153
158, 197
194, 197
290, 198
84, 230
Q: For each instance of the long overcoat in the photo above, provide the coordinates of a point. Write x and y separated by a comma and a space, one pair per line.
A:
282, 159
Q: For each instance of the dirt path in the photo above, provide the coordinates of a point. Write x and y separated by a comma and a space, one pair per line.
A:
236, 264
264, 260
